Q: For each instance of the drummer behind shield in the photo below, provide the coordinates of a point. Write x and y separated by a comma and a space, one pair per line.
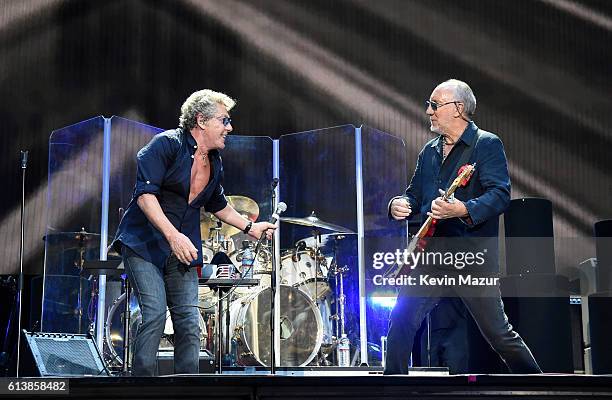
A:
179, 171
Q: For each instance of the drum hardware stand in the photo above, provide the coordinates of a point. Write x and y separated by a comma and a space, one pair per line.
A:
91, 335
92, 300
339, 272
342, 298
227, 357
340, 314
79, 265
125, 288
222, 287
109, 268
126, 325
317, 237
24, 165
215, 232
316, 234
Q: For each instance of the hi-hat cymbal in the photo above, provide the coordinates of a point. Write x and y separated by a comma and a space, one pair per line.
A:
314, 221
245, 206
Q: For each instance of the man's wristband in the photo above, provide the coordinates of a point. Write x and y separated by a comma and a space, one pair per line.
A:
248, 227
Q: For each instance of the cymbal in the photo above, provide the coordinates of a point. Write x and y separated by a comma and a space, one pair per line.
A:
73, 239
314, 221
245, 206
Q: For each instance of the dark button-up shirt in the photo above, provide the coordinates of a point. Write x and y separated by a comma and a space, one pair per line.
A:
486, 196
164, 169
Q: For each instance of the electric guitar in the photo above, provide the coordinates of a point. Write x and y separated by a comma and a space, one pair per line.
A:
419, 241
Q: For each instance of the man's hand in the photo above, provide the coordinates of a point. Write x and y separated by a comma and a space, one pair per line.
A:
182, 247
231, 216
259, 227
442, 209
400, 208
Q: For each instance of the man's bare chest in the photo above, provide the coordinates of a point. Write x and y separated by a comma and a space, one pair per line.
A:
200, 176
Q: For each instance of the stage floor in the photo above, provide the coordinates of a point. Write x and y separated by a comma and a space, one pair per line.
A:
342, 387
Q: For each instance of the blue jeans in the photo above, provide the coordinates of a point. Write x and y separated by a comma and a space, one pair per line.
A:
488, 313
175, 287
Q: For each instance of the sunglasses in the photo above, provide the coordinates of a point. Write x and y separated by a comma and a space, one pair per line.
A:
434, 106
225, 120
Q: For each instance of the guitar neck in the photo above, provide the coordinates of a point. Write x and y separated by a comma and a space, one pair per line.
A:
395, 270
424, 228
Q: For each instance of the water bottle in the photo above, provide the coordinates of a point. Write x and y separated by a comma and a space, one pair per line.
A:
344, 351
248, 259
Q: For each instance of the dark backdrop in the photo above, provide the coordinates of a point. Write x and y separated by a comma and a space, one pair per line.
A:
541, 74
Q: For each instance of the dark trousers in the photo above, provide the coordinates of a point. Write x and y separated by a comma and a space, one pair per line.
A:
487, 309
448, 340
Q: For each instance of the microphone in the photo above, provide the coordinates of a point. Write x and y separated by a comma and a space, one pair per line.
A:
280, 208
24, 159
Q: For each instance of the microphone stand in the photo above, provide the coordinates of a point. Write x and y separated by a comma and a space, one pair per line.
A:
273, 291
24, 165
280, 208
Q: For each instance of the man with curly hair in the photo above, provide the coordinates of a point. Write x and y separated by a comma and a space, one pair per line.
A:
179, 171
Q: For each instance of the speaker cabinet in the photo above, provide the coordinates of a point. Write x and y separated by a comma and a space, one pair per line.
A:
545, 325
603, 250
528, 229
60, 354
600, 324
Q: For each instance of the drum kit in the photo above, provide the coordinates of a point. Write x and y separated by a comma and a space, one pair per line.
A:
308, 328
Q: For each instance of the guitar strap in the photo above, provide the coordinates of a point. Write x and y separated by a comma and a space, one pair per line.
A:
465, 157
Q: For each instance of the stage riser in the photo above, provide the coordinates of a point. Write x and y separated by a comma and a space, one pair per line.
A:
356, 387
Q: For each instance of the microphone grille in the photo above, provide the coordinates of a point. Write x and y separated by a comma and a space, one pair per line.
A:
281, 207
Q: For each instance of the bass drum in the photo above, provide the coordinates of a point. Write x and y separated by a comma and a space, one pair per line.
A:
301, 330
113, 328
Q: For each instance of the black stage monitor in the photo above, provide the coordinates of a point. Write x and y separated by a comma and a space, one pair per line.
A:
61, 354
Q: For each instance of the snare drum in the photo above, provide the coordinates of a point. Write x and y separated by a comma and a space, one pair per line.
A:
298, 270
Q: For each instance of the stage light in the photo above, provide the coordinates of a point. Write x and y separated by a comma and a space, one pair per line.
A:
383, 301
